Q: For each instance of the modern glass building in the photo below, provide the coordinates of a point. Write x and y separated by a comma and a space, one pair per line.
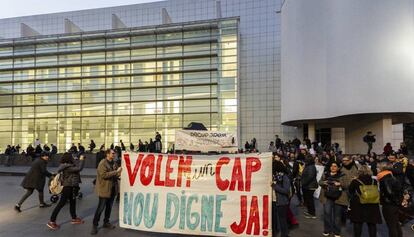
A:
119, 84
126, 72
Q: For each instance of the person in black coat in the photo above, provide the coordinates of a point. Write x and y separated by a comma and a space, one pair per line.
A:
397, 168
35, 179
391, 196
309, 185
363, 213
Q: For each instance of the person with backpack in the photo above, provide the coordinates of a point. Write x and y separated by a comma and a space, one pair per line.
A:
35, 179
391, 196
70, 180
364, 203
309, 185
281, 194
334, 200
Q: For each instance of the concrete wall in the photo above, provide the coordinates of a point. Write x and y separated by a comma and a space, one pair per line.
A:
355, 132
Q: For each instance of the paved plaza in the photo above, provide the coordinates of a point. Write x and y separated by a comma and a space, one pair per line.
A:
32, 220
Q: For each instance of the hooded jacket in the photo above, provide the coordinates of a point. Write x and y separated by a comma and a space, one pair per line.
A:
71, 174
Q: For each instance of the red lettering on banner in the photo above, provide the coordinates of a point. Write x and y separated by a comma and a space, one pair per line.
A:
132, 174
237, 176
254, 218
265, 215
147, 163
239, 228
221, 184
250, 220
157, 181
184, 169
253, 164
168, 170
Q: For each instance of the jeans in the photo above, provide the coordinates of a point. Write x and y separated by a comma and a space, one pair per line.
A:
29, 191
280, 216
390, 213
309, 201
104, 204
298, 185
68, 193
372, 229
332, 217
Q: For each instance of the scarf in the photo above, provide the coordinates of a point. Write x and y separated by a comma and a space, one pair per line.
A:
382, 174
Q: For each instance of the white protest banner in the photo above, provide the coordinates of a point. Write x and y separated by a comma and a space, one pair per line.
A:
220, 195
205, 141
319, 173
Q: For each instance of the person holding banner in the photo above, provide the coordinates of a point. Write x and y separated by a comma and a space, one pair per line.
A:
280, 199
106, 189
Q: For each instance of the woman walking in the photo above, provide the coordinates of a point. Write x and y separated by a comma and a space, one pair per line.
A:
70, 174
368, 213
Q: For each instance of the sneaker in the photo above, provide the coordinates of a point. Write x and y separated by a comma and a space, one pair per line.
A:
17, 208
326, 234
309, 216
108, 226
44, 205
94, 230
53, 225
337, 236
77, 221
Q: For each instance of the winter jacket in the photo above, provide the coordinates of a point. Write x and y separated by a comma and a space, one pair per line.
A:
309, 181
71, 174
390, 189
282, 191
349, 174
343, 199
363, 213
398, 172
106, 178
36, 177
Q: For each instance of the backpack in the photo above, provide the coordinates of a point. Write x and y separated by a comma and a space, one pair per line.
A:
333, 192
369, 193
56, 186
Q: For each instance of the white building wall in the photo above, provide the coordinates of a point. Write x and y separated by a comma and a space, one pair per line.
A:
397, 136
343, 57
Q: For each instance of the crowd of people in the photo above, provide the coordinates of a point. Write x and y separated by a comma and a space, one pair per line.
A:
352, 187
364, 189
35, 150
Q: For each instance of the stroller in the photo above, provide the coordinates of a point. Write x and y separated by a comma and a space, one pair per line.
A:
406, 212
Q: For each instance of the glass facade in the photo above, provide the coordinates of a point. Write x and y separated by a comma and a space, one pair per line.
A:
119, 85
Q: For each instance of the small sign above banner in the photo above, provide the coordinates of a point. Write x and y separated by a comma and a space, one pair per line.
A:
205, 141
